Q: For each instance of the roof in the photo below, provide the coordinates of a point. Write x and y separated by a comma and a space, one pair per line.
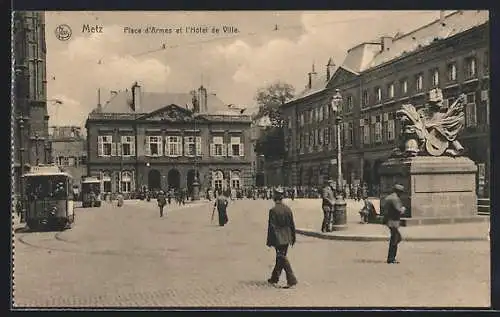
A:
454, 23
90, 180
152, 101
318, 83
46, 170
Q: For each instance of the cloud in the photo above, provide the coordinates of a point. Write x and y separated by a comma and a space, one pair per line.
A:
325, 35
233, 68
64, 113
98, 61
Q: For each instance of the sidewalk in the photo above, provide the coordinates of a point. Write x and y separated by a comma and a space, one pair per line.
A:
308, 217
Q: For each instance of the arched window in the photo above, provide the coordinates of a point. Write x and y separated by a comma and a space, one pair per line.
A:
235, 179
218, 180
126, 182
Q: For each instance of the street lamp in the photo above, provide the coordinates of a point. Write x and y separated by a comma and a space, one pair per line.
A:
37, 138
340, 218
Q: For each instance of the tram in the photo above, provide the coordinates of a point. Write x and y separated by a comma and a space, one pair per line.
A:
91, 192
49, 198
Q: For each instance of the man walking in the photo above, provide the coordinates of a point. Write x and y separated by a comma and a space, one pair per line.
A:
281, 234
393, 209
162, 201
221, 203
327, 205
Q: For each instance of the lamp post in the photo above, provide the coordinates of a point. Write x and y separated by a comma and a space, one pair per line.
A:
339, 218
196, 182
148, 170
37, 138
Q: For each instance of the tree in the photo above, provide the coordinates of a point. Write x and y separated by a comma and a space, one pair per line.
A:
271, 143
270, 98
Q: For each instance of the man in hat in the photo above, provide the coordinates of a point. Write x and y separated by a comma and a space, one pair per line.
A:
281, 234
393, 208
327, 205
162, 201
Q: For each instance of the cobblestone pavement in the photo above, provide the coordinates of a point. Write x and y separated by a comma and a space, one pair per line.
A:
131, 257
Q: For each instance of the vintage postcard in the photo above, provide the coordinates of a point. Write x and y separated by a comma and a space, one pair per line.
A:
251, 159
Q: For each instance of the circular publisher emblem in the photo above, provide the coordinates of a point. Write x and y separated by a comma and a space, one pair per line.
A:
63, 32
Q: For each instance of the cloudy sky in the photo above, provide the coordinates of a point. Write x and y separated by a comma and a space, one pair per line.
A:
233, 65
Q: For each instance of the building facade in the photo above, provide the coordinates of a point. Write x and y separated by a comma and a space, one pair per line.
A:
69, 150
29, 116
375, 79
145, 140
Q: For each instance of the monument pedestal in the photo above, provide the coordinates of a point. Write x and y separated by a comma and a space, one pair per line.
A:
437, 189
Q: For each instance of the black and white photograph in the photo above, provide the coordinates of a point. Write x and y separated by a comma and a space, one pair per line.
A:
250, 159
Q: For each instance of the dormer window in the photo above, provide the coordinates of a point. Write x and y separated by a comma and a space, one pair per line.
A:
435, 77
419, 82
390, 90
378, 94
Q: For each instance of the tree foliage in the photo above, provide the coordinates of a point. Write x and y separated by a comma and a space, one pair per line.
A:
271, 97
271, 143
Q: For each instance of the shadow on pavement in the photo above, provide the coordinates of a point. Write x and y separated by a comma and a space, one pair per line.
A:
369, 261
257, 283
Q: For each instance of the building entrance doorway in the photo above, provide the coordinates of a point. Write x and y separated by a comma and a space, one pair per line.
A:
154, 180
174, 179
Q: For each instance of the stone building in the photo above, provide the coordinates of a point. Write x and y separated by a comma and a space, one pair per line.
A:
29, 116
375, 79
159, 140
69, 150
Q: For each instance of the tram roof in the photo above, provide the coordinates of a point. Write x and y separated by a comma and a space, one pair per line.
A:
34, 174
46, 170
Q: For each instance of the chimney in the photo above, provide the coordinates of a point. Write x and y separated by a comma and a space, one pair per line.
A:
329, 69
99, 106
136, 97
386, 42
202, 99
441, 18
312, 76
195, 102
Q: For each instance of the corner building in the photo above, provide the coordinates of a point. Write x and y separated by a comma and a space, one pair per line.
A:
375, 79
142, 140
30, 119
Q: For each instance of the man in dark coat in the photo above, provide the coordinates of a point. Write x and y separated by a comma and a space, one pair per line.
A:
368, 213
162, 201
221, 203
281, 234
393, 209
327, 205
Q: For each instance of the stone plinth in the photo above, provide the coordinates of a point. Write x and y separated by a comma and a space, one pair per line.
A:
436, 187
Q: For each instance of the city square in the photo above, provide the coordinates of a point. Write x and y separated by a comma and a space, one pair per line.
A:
187, 165
129, 256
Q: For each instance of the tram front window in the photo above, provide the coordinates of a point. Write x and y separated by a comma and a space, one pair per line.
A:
46, 187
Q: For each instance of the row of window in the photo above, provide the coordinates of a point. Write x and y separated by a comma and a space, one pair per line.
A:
377, 128
125, 181
70, 160
218, 181
470, 72
323, 112
172, 146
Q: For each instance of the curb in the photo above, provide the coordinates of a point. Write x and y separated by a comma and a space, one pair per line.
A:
359, 238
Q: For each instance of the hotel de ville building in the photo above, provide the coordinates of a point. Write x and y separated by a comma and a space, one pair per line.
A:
375, 79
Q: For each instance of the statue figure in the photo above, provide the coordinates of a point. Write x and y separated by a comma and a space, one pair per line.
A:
432, 130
